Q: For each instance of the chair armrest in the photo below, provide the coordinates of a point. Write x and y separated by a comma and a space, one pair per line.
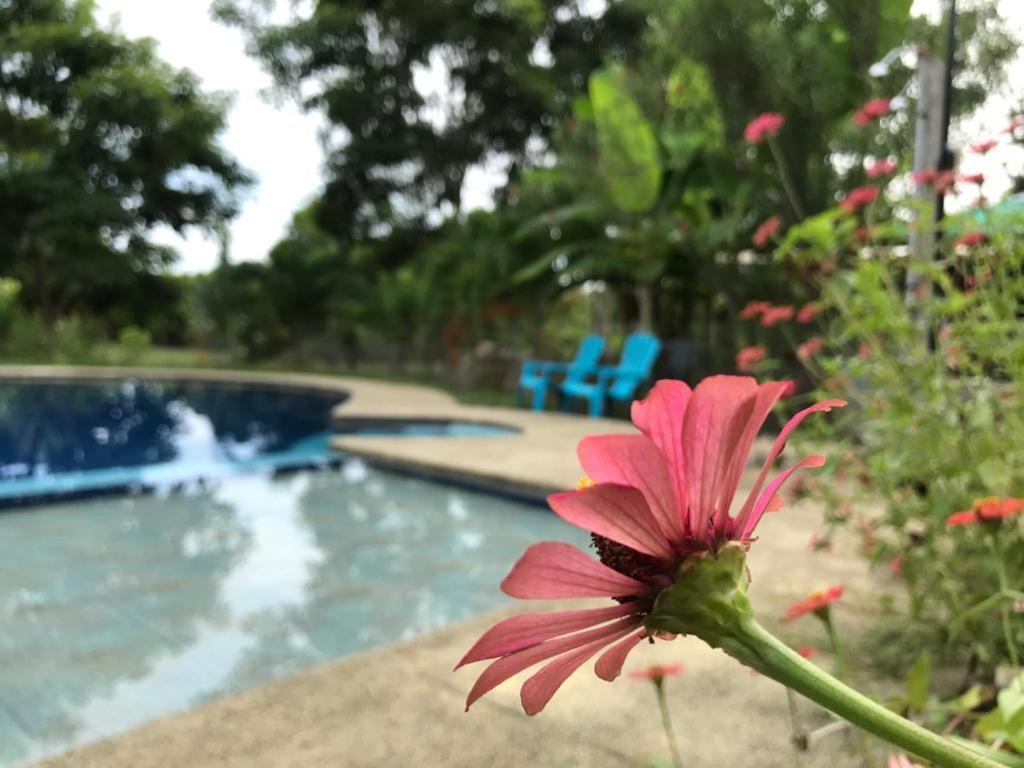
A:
608, 372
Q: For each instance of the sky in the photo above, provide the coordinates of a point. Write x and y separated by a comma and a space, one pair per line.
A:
279, 144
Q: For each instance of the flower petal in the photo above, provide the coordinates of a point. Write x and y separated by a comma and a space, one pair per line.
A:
538, 690
765, 500
617, 512
554, 569
527, 629
609, 666
768, 394
635, 461
776, 450
719, 410
514, 663
660, 417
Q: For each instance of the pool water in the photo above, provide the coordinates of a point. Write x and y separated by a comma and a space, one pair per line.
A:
119, 610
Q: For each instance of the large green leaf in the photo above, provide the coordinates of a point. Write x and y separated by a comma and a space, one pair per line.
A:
629, 158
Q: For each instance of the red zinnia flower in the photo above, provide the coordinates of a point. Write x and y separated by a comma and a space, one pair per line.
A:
659, 497
753, 309
748, 357
810, 348
774, 315
808, 312
984, 147
814, 603
658, 672
872, 110
768, 229
971, 239
858, 198
763, 127
881, 167
990, 508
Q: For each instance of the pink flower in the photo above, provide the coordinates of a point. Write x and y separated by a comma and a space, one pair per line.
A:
806, 651
864, 350
658, 498
763, 127
973, 178
871, 110
990, 508
881, 167
748, 357
971, 239
926, 176
900, 761
944, 181
658, 672
768, 229
754, 309
775, 315
858, 198
1016, 123
810, 348
816, 602
896, 566
984, 147
808, 312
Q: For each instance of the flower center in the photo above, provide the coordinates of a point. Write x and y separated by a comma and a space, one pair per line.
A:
627, 561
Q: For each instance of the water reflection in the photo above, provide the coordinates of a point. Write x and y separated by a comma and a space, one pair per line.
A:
132, 609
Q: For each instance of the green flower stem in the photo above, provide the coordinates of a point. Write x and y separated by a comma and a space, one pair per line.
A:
1004, 586
837, 646
787, 182
666, 722
799, 734
755, 646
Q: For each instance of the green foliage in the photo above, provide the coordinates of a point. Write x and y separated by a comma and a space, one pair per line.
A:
1005, 723
629, 157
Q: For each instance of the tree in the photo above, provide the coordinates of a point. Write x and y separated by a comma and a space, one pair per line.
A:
100, 141
510, 69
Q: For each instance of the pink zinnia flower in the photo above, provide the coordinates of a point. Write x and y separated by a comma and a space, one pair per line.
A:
973, 178
971, 239
658, 497
808, 312
990, 508
858, 198
810, 348
763, 127
748, 357
871, 110
882, 167
753, 309
768, 229
816, 602
658, 672
984, 147
1016, 123
774, 315
926, 176
806, 651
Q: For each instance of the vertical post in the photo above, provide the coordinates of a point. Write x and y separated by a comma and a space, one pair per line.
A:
928, 146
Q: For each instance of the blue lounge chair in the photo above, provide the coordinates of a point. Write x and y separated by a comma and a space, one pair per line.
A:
537, 374
619, 382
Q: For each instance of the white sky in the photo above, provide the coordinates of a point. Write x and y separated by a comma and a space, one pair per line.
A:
279, 145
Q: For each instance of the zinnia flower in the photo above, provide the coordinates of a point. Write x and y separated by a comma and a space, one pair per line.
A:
775, 315
658, 498
753, 309
971, 239
806, 651
1016, 123
816, 602
926, 176
881, 167
658, 672
763, 127
858, 198
871, 110
810, 348
748, 357
973, 178
990, 508
808, 312
984, 147
768, 229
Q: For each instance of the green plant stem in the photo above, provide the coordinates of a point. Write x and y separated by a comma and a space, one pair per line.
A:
755, 646
666, 721
799, 735
1004, 586
787, 182
837, 646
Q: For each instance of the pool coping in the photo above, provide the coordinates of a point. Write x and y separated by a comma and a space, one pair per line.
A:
505, 464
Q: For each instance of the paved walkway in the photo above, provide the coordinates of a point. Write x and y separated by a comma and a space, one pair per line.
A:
400, 705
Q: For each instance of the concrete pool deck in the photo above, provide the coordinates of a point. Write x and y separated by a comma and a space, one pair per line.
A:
400, 704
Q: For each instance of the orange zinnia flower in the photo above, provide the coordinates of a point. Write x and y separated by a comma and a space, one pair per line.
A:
816, 602
989, 508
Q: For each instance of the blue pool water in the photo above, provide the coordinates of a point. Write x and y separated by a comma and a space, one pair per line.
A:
117, 610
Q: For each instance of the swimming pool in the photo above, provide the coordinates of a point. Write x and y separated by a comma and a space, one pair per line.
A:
118, 610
